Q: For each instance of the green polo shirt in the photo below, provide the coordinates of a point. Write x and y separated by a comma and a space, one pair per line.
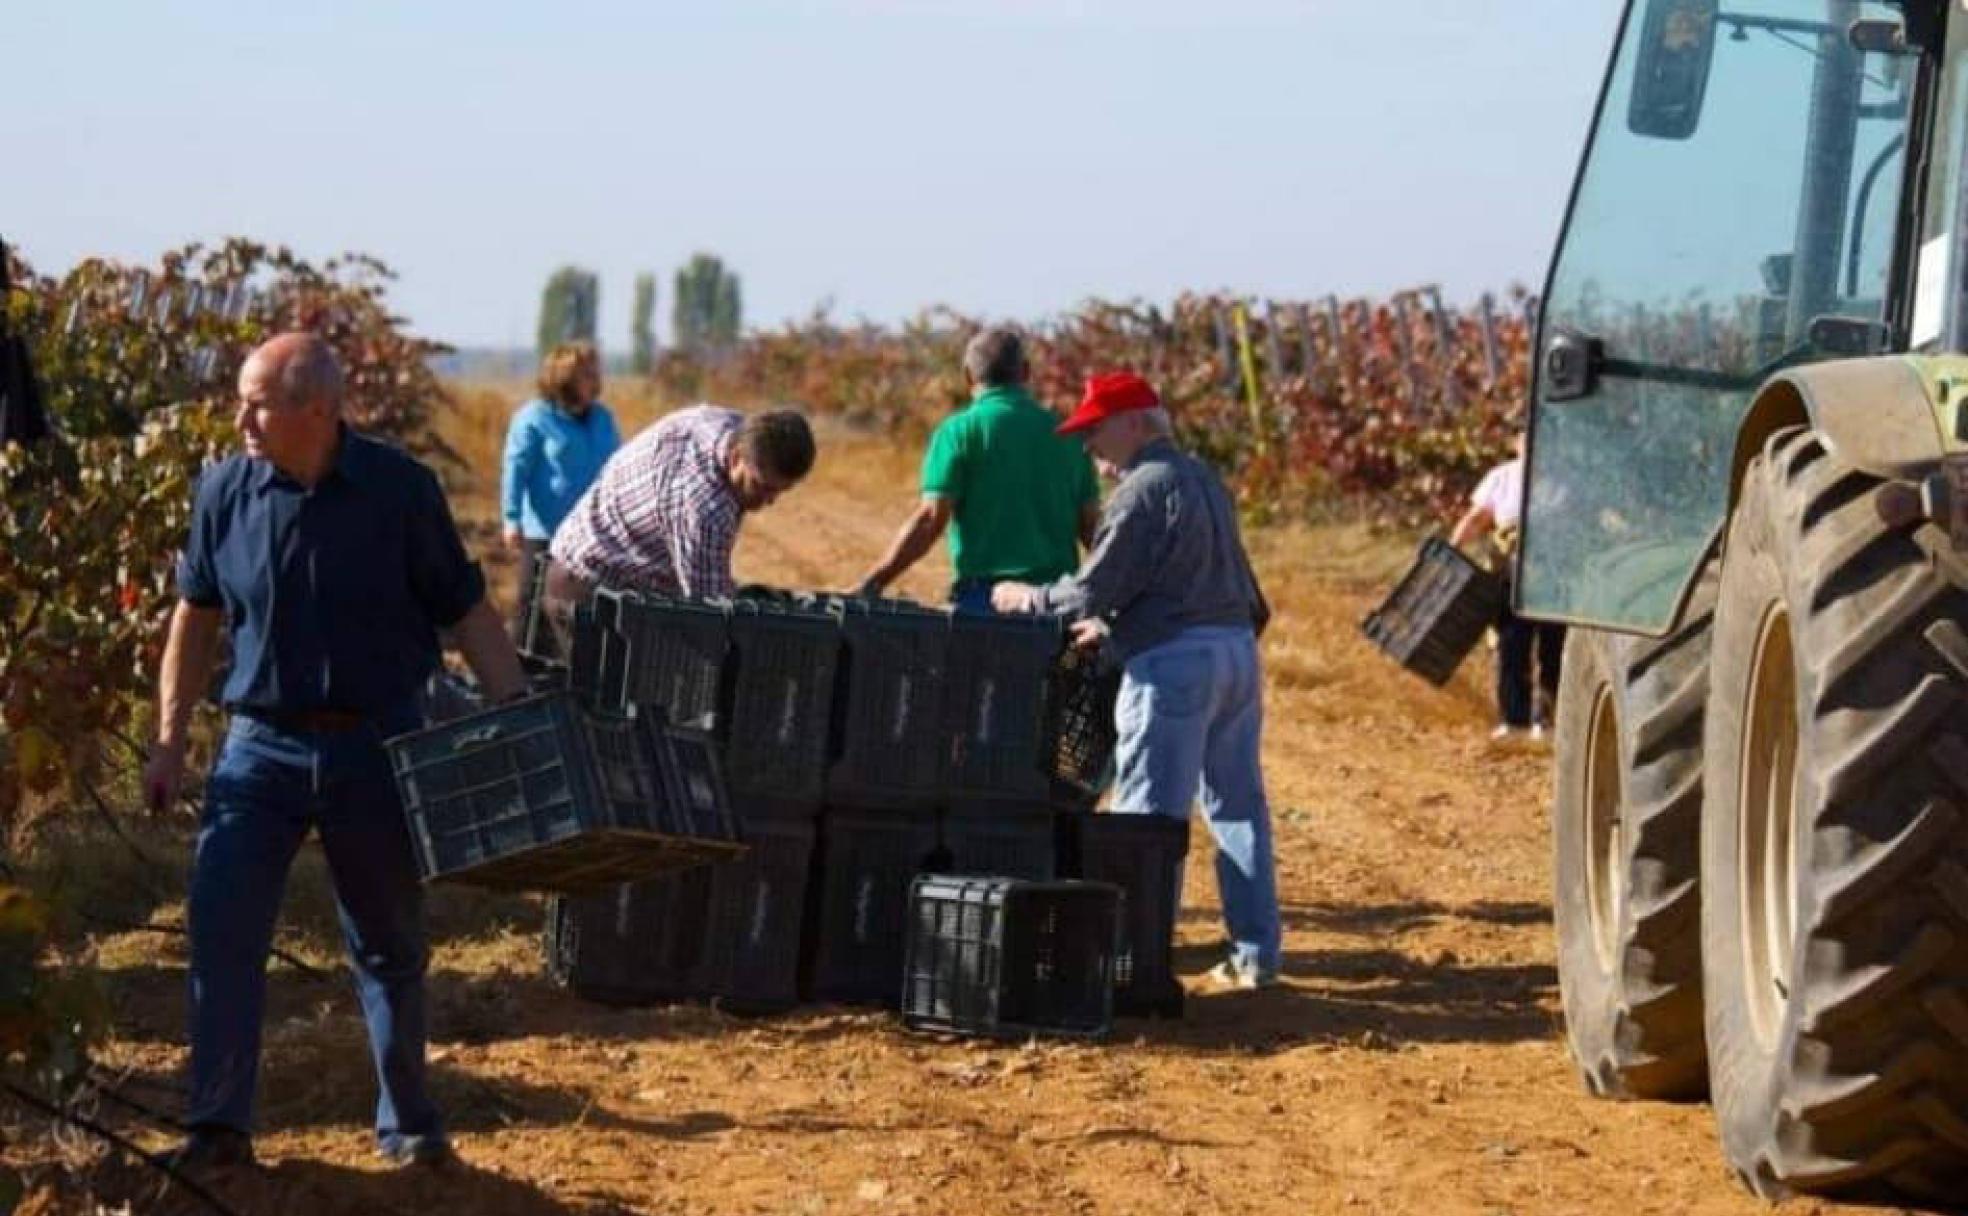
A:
1017, 488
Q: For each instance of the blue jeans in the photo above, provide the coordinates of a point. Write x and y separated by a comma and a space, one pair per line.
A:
1190, 718
972, 596
268, 788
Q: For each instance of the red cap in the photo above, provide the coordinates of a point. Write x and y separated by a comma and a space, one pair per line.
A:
1108, 394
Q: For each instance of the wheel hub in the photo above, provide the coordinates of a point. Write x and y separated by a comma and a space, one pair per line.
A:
1605, 837
1767, 882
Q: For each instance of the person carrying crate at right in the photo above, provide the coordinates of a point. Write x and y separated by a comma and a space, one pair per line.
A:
1496, 511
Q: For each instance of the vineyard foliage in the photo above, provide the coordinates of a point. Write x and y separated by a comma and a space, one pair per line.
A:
1396, 407
138, 367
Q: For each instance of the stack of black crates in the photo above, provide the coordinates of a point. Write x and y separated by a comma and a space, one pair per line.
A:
865, 742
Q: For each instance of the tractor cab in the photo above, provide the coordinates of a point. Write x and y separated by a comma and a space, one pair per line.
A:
1747, 205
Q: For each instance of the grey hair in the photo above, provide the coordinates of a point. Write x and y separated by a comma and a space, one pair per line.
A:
312, 373
1157, 420
995, 357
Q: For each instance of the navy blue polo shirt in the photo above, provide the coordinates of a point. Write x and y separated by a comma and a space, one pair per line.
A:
333, 595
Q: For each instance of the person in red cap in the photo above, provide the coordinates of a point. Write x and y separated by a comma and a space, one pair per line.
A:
1170, 590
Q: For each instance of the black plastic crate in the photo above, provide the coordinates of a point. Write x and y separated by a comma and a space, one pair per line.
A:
1000, 675
1006, 957
634, 944
1000, 841
1437, 612
756, 926
868, 858
1080, 729
782, 701
1143, 856
597, 658
894, 742
540, 794
535, 642
677, 657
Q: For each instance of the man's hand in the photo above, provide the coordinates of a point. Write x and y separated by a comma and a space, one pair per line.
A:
163, 774
514, 538
869, 588
1089, 634
488, 650
1010, 597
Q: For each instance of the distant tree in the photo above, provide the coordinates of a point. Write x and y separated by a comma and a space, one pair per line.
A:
642, 328
707, 308
568, 307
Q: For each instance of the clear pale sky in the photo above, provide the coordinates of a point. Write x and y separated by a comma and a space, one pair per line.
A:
1006, 157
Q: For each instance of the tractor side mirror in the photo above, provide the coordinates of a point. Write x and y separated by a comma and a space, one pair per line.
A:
1670, 75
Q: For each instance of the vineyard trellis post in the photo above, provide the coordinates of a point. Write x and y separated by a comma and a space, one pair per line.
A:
1444, 348
1226, 354
1274, 356
1404, 338
1308, 364
1492, 364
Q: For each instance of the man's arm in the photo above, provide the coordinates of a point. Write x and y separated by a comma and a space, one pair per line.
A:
1089, 524
1123, 560
482, 639
190, 649
917, 535
700, 545
1474, 525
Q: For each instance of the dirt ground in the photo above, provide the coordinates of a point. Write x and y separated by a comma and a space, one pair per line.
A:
1411, 1062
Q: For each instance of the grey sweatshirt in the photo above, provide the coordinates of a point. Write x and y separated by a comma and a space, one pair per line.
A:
1167, 557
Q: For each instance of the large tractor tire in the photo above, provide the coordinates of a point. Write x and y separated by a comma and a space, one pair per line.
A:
1627, 828
1834, 857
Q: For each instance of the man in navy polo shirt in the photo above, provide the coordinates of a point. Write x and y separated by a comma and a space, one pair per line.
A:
332, 561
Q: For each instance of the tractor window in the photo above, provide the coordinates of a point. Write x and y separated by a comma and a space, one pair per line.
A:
1939, 209
1699, 260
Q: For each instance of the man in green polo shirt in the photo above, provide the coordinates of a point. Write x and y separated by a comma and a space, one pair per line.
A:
1017, 498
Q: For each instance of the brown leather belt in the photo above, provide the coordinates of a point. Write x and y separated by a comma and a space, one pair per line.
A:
310, 721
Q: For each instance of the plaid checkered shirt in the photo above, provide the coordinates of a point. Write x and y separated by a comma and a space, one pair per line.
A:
662, 518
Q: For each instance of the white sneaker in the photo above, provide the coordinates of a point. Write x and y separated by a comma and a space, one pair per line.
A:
1229, 974
1537, 732
1504, 731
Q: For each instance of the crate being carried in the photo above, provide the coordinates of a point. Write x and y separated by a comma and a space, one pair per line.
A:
1080, 727
1007, 957
543, 794
1437, 612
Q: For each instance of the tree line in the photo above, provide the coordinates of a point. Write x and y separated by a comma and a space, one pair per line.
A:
706, 310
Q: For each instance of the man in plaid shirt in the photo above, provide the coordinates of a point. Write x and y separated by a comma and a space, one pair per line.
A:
664, 514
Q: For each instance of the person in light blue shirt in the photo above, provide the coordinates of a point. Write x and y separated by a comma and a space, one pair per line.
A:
555, 448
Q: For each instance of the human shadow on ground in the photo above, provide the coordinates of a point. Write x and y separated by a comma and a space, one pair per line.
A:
470, 1008
1370, 995
299, 1187
1402, 916
1334, 993
324, 1080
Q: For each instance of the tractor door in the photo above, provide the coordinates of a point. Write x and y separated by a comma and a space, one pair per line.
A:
1736, 212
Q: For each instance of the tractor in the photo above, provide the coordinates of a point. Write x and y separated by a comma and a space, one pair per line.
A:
1747, 491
